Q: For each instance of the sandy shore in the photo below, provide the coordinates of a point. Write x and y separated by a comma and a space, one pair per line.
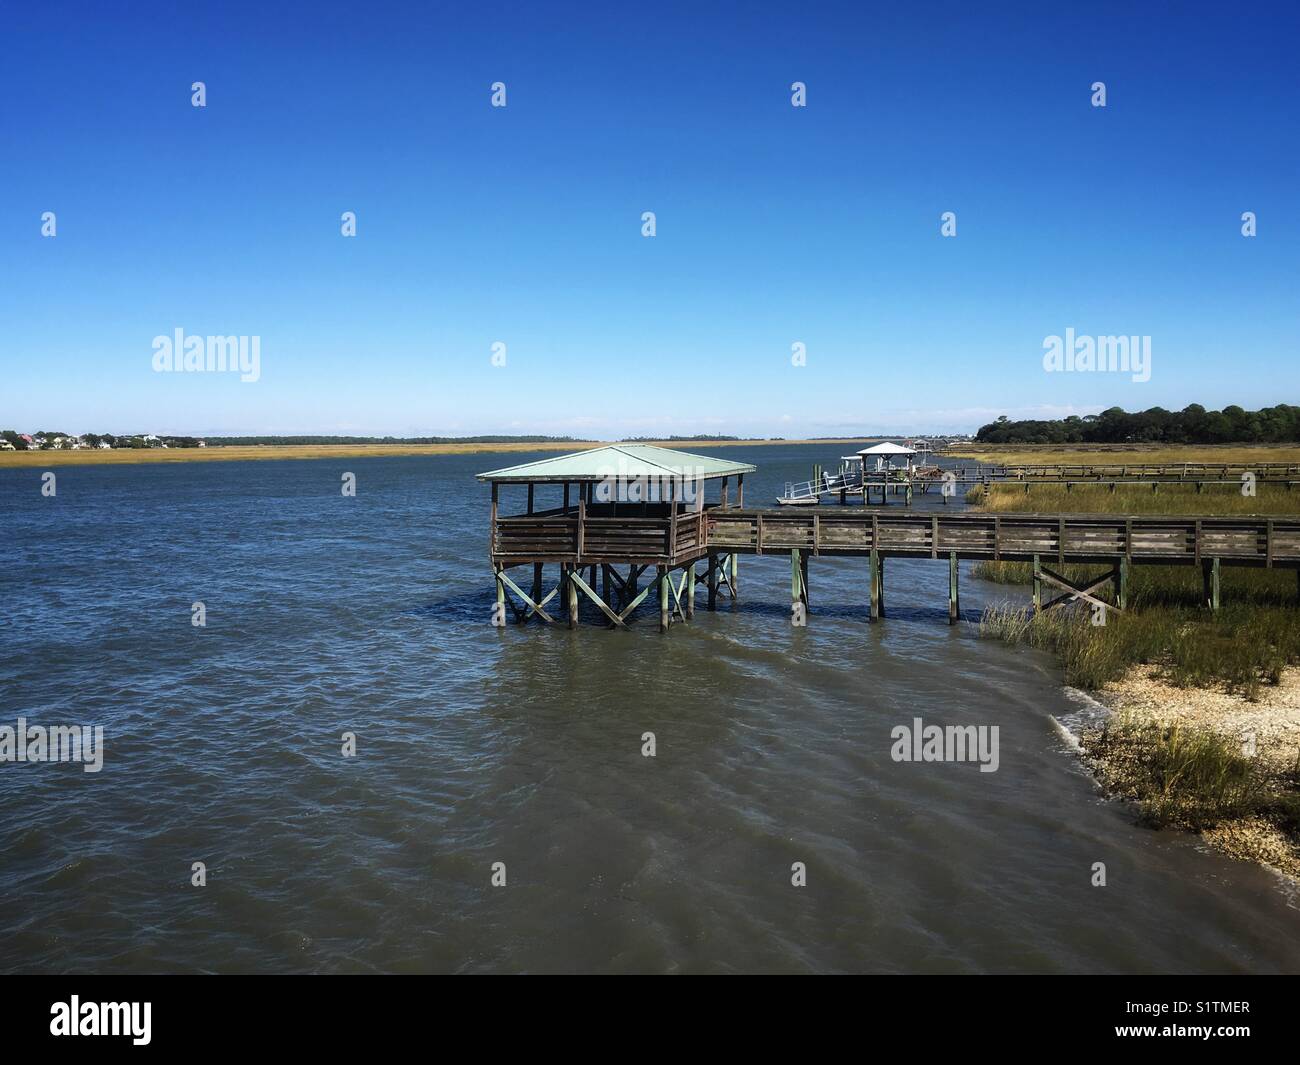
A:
1273, 720
46, 459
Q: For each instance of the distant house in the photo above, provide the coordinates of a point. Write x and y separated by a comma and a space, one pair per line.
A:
104, 445
203, 443
28, 439
6, 446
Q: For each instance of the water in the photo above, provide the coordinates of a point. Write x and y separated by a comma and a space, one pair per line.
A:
327, 614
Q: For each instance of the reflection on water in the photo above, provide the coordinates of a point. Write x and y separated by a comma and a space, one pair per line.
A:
372, 615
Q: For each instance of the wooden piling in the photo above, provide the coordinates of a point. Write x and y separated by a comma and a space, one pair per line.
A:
880, 575
572, 587
874, 570
1210, 581
663, 598
954, 607
690, 591
1038, 584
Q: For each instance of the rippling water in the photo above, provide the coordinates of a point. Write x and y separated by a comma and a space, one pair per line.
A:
328, 614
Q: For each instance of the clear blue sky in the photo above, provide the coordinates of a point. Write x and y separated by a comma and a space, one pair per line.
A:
523, 224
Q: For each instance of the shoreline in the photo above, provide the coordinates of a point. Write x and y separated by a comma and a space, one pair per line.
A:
264, 452
1273, 721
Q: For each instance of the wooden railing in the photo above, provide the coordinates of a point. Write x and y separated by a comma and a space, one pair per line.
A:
1260, 541
1179, 470
595, 533
604, 535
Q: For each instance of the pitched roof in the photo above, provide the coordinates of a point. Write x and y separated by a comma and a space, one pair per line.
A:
620, 460
887, 449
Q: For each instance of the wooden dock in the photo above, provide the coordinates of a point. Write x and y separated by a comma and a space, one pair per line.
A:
604, 539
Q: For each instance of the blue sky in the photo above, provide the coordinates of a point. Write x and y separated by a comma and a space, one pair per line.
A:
522, 224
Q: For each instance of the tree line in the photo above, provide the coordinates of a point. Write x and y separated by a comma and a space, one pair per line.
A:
1191, 425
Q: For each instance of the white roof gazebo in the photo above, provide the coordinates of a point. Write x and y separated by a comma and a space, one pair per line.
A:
887, 448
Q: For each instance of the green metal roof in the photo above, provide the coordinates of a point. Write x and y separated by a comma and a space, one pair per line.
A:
620, 460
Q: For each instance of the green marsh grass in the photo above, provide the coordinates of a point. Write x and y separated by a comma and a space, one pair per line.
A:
1247, 643
1190, 777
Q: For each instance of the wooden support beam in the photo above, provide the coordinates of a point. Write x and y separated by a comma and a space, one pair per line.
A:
1210, 582
1121, 583
1038, 583
954, 607
880, 575
740, 489
636, 602
501, 594
711, 577
874, 572
1078, 591
663, 598
578, 582
534, 606
798, 585
573, 582
733, 582
690, 591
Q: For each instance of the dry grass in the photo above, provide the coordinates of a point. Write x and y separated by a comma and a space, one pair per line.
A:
1055, 454
1225, 499
129, 456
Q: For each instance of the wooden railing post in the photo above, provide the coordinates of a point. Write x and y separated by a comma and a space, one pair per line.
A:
492, 529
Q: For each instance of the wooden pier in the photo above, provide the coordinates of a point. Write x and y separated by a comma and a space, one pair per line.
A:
592, 543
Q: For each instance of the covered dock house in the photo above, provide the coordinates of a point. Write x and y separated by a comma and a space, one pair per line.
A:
613, 515
605, 518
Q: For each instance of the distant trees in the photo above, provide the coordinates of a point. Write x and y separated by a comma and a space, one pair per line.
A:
1192, 425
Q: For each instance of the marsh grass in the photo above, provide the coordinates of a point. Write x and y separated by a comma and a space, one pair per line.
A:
1247, 643
1190, 777
1172, 498
1105, 454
